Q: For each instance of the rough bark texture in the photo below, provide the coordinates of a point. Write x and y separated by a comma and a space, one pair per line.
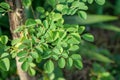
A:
15, 20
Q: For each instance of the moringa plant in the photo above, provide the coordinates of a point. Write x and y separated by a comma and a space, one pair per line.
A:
40, 36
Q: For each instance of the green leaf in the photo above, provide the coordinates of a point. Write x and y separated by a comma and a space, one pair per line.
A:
26, 41
76, 4
4, 55
4, 39
65, 10
74, 48
84, 0
32, 64
88, 37
5, 64
27, 3
14, 54
22, 53
30, 23
100, 2
56, 50
15, 41
25, 66
47, 54
22, 59
76, 57
64, 44
39, 49
22, 46
45, 23
34, 54
73, 41
4, 5
31, 72
69, 62
49, 66
90, 1
55, 35
2, 10
81, 29
38, 21
61, 62
80, 5
40, 9
74, 38
57, 16
61, 7
62, 1
55, 57
62, 34
78, 64
71, 29
65, 55
39, 59
29, 59
52, 2
69, 1
82, 14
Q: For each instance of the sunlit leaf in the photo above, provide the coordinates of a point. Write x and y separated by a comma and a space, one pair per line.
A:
76, 56
69, 62
61, 62
4, 5
25, 66
4, 39
5, 64
90, 1
78, 64
27, 3
30, 22
31, 71
82, 14
88, 37
49, 66
100, 2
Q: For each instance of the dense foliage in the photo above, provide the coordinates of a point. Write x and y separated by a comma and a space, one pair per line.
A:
48, 39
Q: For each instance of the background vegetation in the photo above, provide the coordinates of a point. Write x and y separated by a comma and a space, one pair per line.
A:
101, 58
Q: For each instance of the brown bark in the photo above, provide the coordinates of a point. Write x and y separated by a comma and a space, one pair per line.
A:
15, 20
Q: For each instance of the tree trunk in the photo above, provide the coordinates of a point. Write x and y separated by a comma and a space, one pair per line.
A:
15, 20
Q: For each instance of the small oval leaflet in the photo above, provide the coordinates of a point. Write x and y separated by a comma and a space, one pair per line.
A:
5, 64
25, 66
40, 9
61, 62
76, 57
4, 5
100, 2
90, 1
88, 37
4, 39
78, 64
69, 62
30, 22
81, 29
49, 66
82, 14
31, 71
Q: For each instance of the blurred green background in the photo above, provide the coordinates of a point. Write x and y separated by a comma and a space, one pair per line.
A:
101, 58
